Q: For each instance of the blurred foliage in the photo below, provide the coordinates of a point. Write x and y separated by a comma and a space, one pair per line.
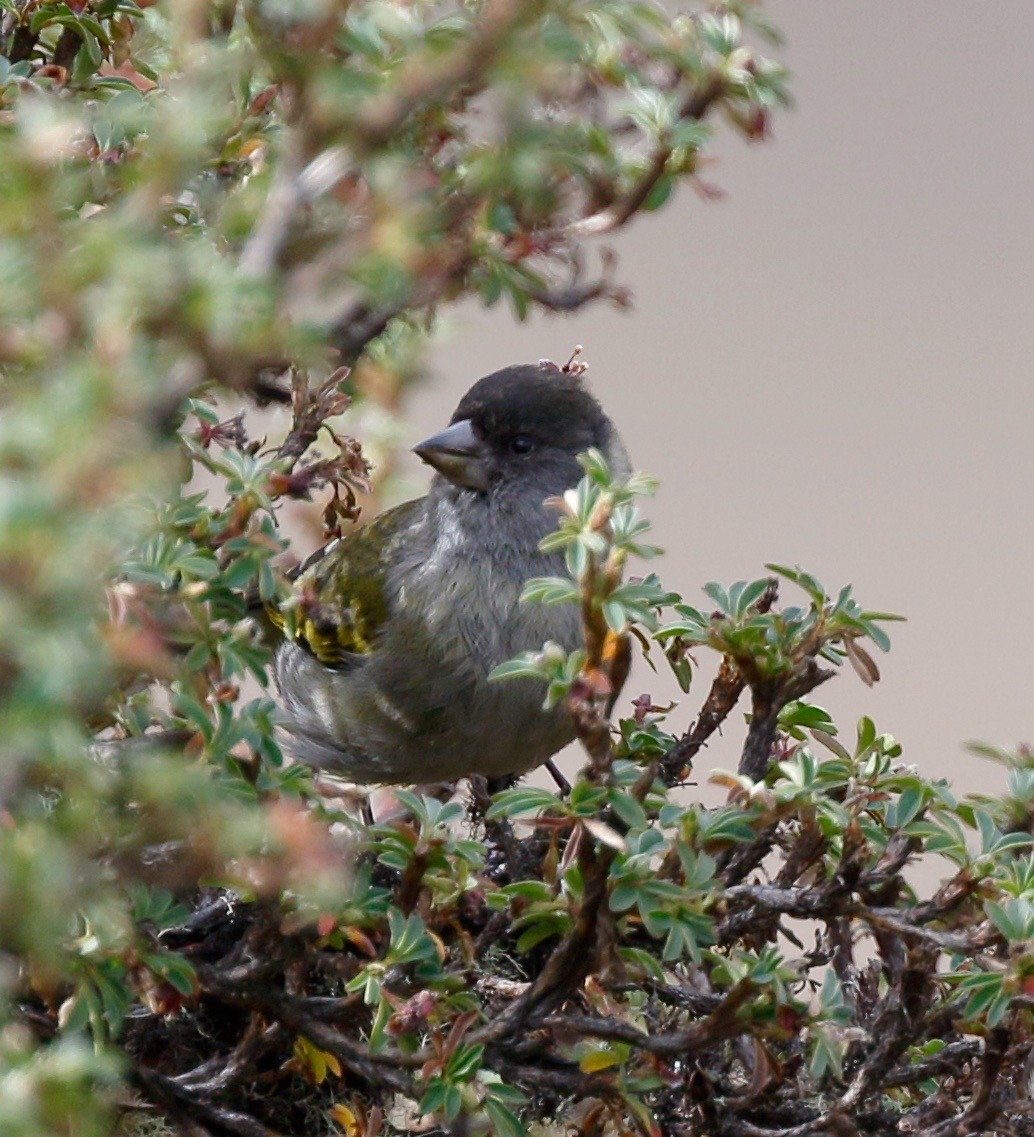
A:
212, 207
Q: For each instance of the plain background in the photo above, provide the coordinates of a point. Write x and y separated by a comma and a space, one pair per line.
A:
832, 365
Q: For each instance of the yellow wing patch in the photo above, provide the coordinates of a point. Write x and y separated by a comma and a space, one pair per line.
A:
338, 602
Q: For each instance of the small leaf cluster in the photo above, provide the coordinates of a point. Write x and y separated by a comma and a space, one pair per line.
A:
775, 641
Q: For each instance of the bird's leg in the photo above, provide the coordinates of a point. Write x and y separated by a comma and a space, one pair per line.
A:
563, 785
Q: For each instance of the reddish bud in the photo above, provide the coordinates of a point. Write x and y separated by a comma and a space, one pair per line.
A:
262, 100
413, 1014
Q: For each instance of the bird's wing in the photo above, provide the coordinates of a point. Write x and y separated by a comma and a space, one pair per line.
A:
339, 600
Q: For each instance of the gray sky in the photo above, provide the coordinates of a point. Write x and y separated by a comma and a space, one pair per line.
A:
832, 366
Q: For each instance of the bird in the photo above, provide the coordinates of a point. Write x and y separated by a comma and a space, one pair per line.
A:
383, 671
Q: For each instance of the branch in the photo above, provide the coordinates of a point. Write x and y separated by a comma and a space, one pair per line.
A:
769, 698
725, 691
263, 246
181, 1102
427, 79
621, 211
950, 1060
209, 1078
717, 1027
377, 1070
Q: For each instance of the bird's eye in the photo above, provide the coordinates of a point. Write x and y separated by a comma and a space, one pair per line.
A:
522, 443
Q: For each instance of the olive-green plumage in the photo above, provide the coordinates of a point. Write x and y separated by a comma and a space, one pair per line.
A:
339, 602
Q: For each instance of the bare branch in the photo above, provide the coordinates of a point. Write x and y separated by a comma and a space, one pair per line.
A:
186, 1103
721, 1024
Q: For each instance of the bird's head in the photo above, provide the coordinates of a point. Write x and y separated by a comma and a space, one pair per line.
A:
519, 431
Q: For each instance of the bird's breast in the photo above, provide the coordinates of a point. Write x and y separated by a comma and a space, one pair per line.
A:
465, 589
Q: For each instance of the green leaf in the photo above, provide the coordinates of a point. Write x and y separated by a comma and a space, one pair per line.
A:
464, 1063
983, 989
550, 590
528, 666
538, 932
659, 193
627, 808
1014, 919
901, 811
720, 597
523, 800
504, 1122
615, 615
434, 1097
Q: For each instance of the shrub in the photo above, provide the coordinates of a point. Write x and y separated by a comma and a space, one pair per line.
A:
210, 209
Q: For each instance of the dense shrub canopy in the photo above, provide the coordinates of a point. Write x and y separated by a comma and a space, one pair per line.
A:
223, 226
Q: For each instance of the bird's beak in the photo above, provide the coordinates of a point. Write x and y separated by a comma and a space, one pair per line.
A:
458, 455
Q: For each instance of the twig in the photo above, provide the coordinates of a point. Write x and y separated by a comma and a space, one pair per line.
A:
267, 237
498, 831
947, 1061
182, 1102
67, 47
946, 941
311, 409
695, 106
218, 1073
361, 324
835, 1124
828, 902
984, 1106
23, 43
567, 963
567, 1080
575, 296
721, 1024
725, 691
427, 79
563, 785
893, 1029
739, 861
769, 698
380, 1069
